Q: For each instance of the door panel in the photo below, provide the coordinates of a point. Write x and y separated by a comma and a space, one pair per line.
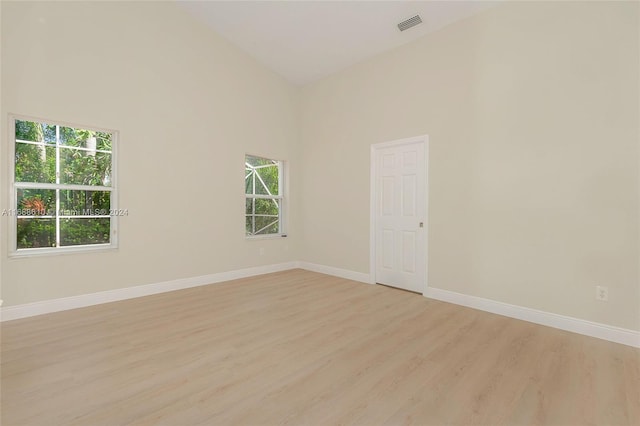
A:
388, 256
388, 198
400, 208
409, 195
409, 252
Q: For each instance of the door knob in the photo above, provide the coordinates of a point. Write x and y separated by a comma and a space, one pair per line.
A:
421, 224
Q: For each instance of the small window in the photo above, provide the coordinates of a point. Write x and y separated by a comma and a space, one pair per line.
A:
263, 182
63, 187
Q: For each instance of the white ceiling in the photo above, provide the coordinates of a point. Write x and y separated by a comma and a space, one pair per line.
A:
307, 40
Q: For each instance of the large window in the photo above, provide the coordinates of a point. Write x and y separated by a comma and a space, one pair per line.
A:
263, 181
63, 187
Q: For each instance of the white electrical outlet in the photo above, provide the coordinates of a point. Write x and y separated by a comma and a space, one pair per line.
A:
602, 293
261, 251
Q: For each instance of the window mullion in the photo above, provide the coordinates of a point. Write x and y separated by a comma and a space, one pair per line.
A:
72, 187
267, 197
57, 216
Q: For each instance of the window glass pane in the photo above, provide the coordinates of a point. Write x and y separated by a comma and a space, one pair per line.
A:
83, 138
103, 141
267, 206
35, 132
85, 231
265, 217
261, 176
249, 225
34, 233
35, 163
73, 203
248, 181
85, 167
266, 225
77, 137
36, 202
258, 161
267, 180
69, 137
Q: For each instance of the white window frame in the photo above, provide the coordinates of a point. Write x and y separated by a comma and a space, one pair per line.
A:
281, 197
14, 186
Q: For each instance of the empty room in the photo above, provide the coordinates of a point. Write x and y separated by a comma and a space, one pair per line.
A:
319, 213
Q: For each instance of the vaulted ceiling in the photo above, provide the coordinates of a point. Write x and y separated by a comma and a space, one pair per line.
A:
307, 40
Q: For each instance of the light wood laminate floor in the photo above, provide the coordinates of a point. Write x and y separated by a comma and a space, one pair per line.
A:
301, 348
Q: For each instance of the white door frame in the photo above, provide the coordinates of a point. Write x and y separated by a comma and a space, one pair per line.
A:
424, 139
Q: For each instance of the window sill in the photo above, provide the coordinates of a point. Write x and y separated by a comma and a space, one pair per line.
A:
39, 252
265, 237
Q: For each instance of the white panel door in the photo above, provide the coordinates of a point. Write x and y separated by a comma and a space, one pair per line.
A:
400, 216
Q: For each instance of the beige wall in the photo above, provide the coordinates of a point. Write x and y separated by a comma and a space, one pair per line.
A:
188, 106
532, 113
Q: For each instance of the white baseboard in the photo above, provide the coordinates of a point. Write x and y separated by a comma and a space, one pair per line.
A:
588, 328
337, 272
575, 325
47, 306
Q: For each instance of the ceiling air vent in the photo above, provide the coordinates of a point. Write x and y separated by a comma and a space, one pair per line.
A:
411, 22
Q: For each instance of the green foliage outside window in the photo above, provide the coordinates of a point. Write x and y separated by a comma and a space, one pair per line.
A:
62, 156
262, 179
